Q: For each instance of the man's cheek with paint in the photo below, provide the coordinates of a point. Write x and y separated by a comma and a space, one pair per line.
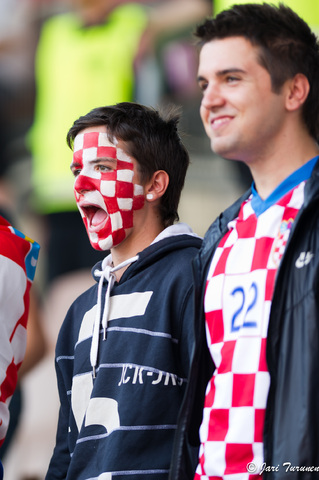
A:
92, 207
106, 207
120, 213
107, 203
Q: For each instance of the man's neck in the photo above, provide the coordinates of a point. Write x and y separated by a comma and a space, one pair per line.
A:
269, 173
131, 246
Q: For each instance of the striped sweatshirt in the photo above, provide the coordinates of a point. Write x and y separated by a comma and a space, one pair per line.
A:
122, 361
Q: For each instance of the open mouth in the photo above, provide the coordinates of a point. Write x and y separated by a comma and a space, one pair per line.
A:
95, 216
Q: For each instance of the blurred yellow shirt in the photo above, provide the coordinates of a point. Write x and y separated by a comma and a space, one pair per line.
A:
77, 69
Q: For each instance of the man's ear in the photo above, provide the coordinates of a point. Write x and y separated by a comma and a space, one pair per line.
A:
157, 185
297, 92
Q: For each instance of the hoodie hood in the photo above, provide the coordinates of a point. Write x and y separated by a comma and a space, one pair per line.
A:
171, 238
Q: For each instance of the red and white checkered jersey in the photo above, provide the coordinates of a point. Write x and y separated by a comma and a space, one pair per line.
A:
18, 259
237, 303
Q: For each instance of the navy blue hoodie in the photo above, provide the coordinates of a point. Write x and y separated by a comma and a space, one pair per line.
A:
122, 361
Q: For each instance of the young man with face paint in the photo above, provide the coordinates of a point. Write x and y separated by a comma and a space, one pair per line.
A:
251, 407
104, 189
123, 352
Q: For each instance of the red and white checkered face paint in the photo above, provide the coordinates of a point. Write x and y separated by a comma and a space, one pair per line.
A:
105, 192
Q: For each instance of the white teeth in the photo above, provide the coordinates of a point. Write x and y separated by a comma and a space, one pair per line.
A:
218, 121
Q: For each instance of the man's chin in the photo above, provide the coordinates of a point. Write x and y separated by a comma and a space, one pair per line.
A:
100, 243
222, 150
219, 148
96, 247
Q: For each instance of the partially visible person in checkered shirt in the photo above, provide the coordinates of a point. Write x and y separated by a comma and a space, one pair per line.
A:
251, 406
18, 261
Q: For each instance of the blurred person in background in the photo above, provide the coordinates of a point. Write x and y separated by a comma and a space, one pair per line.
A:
18, 35
18, 259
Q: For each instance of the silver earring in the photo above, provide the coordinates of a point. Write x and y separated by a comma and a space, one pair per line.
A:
149, 196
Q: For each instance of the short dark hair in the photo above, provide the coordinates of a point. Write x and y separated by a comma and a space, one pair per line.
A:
287, 46
151, 138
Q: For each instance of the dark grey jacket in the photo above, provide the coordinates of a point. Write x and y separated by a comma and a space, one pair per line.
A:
291, 432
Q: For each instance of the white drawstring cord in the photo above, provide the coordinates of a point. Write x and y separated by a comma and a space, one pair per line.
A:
107, 273
111, 280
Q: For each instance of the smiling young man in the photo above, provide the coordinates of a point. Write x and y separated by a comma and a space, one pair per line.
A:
252, 397
123, 352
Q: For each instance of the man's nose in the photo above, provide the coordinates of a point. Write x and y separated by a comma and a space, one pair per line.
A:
212, 97
84, 184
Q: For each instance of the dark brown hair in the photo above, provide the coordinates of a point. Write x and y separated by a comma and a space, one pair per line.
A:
286, 46
151, 138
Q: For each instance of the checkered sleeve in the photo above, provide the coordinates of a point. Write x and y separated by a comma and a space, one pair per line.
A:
18, 257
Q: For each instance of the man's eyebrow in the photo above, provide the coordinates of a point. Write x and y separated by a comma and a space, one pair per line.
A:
230, 70
94, 162
75, 165
222, 73
103, 159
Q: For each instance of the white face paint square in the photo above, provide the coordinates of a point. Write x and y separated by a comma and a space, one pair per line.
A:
138, 190
121, 155
125, 175
78, 142
105, 242
108, 188
103, 140
89, 154
116, 221
125, 203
